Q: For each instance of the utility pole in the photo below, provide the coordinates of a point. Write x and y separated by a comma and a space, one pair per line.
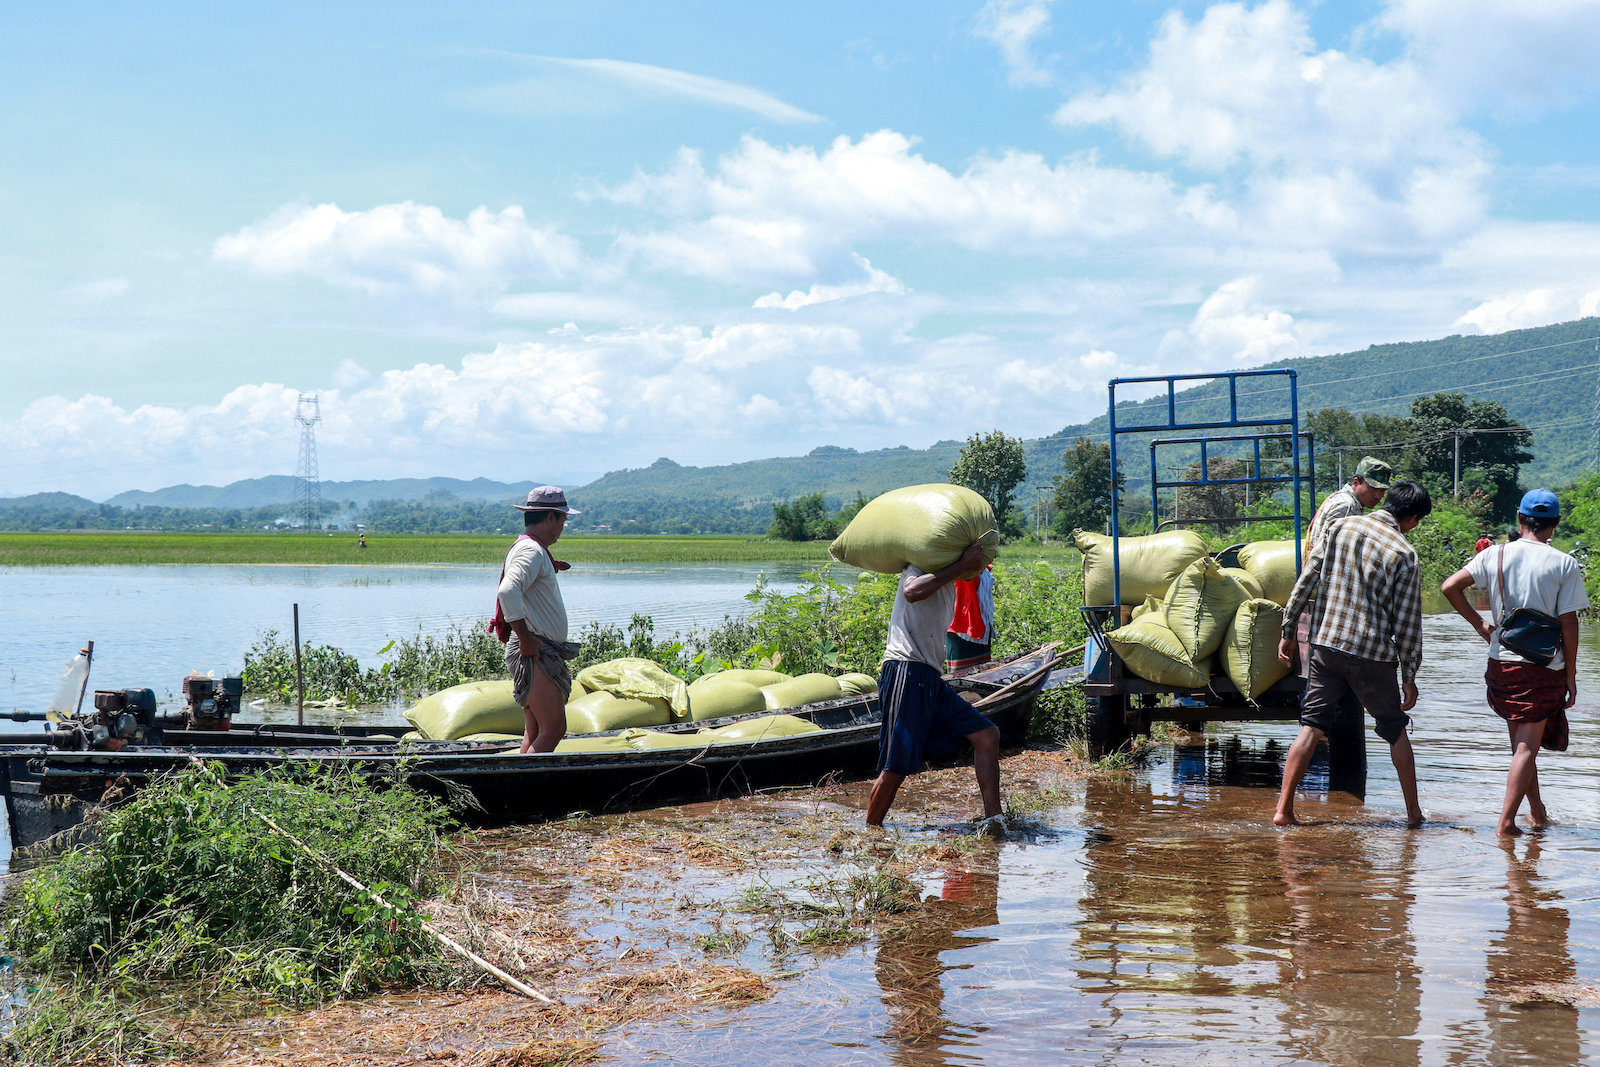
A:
308, 494
1458, 464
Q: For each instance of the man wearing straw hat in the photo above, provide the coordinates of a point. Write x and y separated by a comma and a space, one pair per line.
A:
531, 618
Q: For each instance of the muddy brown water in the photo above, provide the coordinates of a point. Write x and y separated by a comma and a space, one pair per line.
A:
1161, 919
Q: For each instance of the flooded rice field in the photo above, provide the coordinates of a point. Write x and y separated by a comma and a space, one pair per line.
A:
1152, 917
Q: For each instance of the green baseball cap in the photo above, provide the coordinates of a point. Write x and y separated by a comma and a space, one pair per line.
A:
1374, 471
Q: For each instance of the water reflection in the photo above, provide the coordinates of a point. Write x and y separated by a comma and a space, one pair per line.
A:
911, 969
1531, 971
1351, 983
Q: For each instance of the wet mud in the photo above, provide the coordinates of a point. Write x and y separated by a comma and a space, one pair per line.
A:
1147, 917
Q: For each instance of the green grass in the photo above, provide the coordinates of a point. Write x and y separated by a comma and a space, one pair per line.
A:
136, 547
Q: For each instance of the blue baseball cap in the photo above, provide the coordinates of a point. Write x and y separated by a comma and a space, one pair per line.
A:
1540, 503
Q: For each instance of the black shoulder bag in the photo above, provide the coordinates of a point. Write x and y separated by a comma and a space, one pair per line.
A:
1533, 635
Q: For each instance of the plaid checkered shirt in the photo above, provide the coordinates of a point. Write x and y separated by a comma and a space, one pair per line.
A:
1369, 593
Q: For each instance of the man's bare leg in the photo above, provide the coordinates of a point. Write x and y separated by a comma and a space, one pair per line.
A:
986, 767
1522, 780
544, 716
1294, 769
884, 787
1405, 767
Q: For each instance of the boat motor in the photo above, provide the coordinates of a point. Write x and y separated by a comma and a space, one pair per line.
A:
212, 701
120, 717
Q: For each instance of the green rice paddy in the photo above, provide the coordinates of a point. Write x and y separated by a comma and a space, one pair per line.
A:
140, 548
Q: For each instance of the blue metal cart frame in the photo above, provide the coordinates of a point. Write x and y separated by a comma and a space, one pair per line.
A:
1123, 704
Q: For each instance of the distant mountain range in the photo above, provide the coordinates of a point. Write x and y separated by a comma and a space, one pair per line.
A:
280, 489
1546, 377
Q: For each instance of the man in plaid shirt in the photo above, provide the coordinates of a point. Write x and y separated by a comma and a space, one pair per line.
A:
1367, 619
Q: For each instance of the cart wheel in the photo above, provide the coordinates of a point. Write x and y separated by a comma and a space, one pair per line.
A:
1108, 727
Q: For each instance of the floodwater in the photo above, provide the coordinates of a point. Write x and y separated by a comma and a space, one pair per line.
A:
153, 625
1163, 920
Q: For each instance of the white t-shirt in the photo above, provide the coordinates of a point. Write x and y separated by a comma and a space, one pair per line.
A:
1538, 576
916, 631
529, 591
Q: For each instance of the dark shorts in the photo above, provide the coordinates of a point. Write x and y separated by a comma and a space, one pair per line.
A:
922, 717
521, 669
959, 652
1334, 674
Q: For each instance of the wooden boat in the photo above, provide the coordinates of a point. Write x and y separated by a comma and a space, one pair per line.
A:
49, 790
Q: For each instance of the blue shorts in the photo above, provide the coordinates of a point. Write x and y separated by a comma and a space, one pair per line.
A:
922, 716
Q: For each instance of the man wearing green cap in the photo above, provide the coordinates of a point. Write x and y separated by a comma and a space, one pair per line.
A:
1365, 490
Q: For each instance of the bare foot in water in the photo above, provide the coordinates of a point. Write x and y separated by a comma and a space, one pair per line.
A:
1538, 818
1285, 818
1415, 821
1508, 829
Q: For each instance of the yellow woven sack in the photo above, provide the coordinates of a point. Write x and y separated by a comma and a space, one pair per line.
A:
1246, 579
714, 697
1151, 603
472, 708
1149, 564
766, 728
1152, 651
651, 739
641, 679
806, 689
1199, 606
748, 676
926, 526
855, 684
1250, 652
601, 711
1272, 563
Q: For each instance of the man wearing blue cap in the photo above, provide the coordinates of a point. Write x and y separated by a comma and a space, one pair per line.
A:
1530, 691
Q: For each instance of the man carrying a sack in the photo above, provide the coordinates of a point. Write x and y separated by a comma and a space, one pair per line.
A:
1535, 594
1365, 621
922, 716
531, 618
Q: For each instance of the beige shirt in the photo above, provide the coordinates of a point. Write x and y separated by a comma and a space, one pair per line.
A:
916, 631
529, 591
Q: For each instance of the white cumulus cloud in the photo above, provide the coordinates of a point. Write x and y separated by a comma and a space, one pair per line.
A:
876, 281
405, 247
1338, 149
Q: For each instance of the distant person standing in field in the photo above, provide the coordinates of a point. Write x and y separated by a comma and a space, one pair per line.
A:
1365, 621
1530, 692
531, 617
923, 716
971, 634
1484, 542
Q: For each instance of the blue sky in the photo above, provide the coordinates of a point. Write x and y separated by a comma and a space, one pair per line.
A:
544, 241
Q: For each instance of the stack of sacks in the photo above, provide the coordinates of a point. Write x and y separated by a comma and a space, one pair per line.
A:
1149, 564
1272, 564
1173, 644
926, 526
